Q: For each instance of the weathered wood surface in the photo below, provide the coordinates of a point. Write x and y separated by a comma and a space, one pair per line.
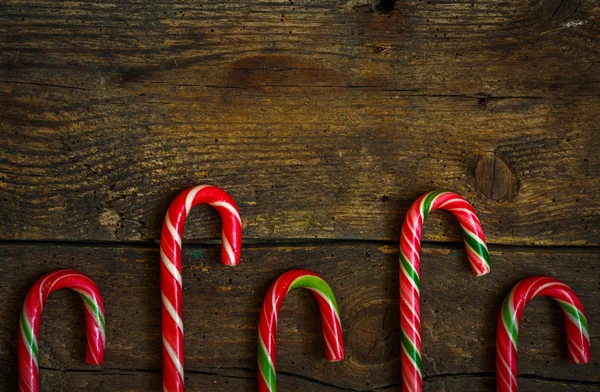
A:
222, 307
331, 131
324, 120
215, 380
536, 48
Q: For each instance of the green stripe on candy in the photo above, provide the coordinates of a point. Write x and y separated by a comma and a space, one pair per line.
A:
318, 284
428, 201
508, 320
265, 366
93, 306
410, 271
477, 246
411, 351
29, 337
575, 313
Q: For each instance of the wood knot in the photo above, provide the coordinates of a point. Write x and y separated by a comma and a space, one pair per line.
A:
495, 179
127, 77
386, 6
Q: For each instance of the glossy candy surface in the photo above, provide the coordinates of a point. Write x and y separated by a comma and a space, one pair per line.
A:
267, 330
578, 338
29, 324
410, 266
170, 269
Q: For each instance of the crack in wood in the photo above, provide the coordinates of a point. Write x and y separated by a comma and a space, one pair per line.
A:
300, 243
222, 372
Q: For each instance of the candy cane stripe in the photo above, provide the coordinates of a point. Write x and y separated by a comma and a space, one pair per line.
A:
428, 202
511, 326
410, 264
451, 201
172, 312
172, 231
266, 366
411, 352
508, 371
317, 285
267, 330
575, 316
189, 199
173, 356
410, 272
409, 388
229, 250
576, 352
578, 341
413, 249
170, 275
476, 245
30, 322
92, 306
24, 386
170, 267
228, 207
28, 335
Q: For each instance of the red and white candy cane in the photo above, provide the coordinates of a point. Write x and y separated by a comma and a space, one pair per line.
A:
267, 329
578, 337
29, 324
410, 267
170, 269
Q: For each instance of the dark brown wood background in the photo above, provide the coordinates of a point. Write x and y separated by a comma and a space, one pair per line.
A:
324, 120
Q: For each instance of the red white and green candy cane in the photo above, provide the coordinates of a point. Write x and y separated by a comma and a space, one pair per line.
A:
170, 269
29, 325
410, 267
267, 330
578, 338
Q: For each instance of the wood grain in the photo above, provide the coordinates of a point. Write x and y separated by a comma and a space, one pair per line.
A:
222, 306
324, 120
313, 140
242, 380
330, 177
492, 49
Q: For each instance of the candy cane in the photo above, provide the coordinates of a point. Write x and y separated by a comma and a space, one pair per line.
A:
410, 266
267, 330
29, 325
170, 269
578, 337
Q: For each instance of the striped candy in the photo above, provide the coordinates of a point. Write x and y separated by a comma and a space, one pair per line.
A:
29, 324
267, 330
578, 338
410, 266
170, 269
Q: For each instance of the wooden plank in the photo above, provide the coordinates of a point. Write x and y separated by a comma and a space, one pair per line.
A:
222, 307
240, 380
498, 49
328, 132
300, 163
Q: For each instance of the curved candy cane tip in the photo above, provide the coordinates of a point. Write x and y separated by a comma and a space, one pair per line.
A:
410, 262
171, 284
330, 320
30, 321
508, 325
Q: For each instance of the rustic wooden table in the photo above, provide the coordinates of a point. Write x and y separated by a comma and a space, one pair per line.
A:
324, 120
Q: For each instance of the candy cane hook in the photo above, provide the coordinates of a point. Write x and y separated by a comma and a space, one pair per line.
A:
578, 337
29, 324
410, 267
170, 269
267, 329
